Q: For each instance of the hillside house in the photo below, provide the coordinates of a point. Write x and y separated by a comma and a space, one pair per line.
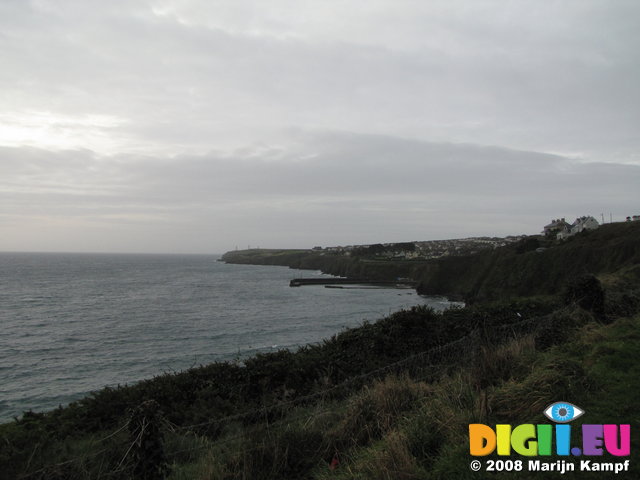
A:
584, 223
580, 225
555, 227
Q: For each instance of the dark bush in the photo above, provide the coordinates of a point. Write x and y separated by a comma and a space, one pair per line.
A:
587, 292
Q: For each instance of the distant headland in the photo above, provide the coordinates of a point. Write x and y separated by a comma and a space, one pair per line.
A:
470, 269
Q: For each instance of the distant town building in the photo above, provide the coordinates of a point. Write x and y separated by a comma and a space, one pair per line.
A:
423, 250
634, 218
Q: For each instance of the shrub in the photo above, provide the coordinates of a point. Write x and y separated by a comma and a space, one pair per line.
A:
587, 292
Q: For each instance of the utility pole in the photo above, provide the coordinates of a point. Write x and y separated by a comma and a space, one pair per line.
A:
602, 215
610, 217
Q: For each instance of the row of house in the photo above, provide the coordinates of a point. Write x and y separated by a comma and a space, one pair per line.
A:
424, 249
562, 230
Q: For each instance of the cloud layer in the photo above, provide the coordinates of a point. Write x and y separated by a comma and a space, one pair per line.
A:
193, 125
330, 188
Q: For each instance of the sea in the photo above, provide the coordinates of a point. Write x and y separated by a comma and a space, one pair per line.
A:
75, 323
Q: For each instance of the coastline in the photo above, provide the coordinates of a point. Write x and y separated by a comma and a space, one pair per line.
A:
512, 271
490, 362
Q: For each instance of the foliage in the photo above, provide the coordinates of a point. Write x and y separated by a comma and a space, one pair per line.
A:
147, 448
587, 292
596, 369
527, 244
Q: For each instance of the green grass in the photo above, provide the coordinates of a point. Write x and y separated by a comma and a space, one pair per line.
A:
598, 370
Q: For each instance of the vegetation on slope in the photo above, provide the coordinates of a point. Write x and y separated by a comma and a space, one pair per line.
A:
596, 369
415, 426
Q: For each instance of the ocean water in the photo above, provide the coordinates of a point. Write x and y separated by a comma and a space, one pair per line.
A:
74, 323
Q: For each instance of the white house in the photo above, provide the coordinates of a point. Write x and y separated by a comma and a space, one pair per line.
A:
580, 225
564, 233
556, 226
584, 223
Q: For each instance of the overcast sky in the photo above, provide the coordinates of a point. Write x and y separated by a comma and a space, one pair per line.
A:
199, 126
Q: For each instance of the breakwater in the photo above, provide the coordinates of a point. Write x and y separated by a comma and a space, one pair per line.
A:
299, 282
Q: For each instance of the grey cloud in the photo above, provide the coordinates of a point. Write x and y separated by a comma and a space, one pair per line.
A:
341, 183
204, 122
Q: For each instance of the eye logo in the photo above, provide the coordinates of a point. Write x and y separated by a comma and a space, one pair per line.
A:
563, 412
539, 440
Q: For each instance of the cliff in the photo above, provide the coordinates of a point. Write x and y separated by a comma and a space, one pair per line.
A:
511, 271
